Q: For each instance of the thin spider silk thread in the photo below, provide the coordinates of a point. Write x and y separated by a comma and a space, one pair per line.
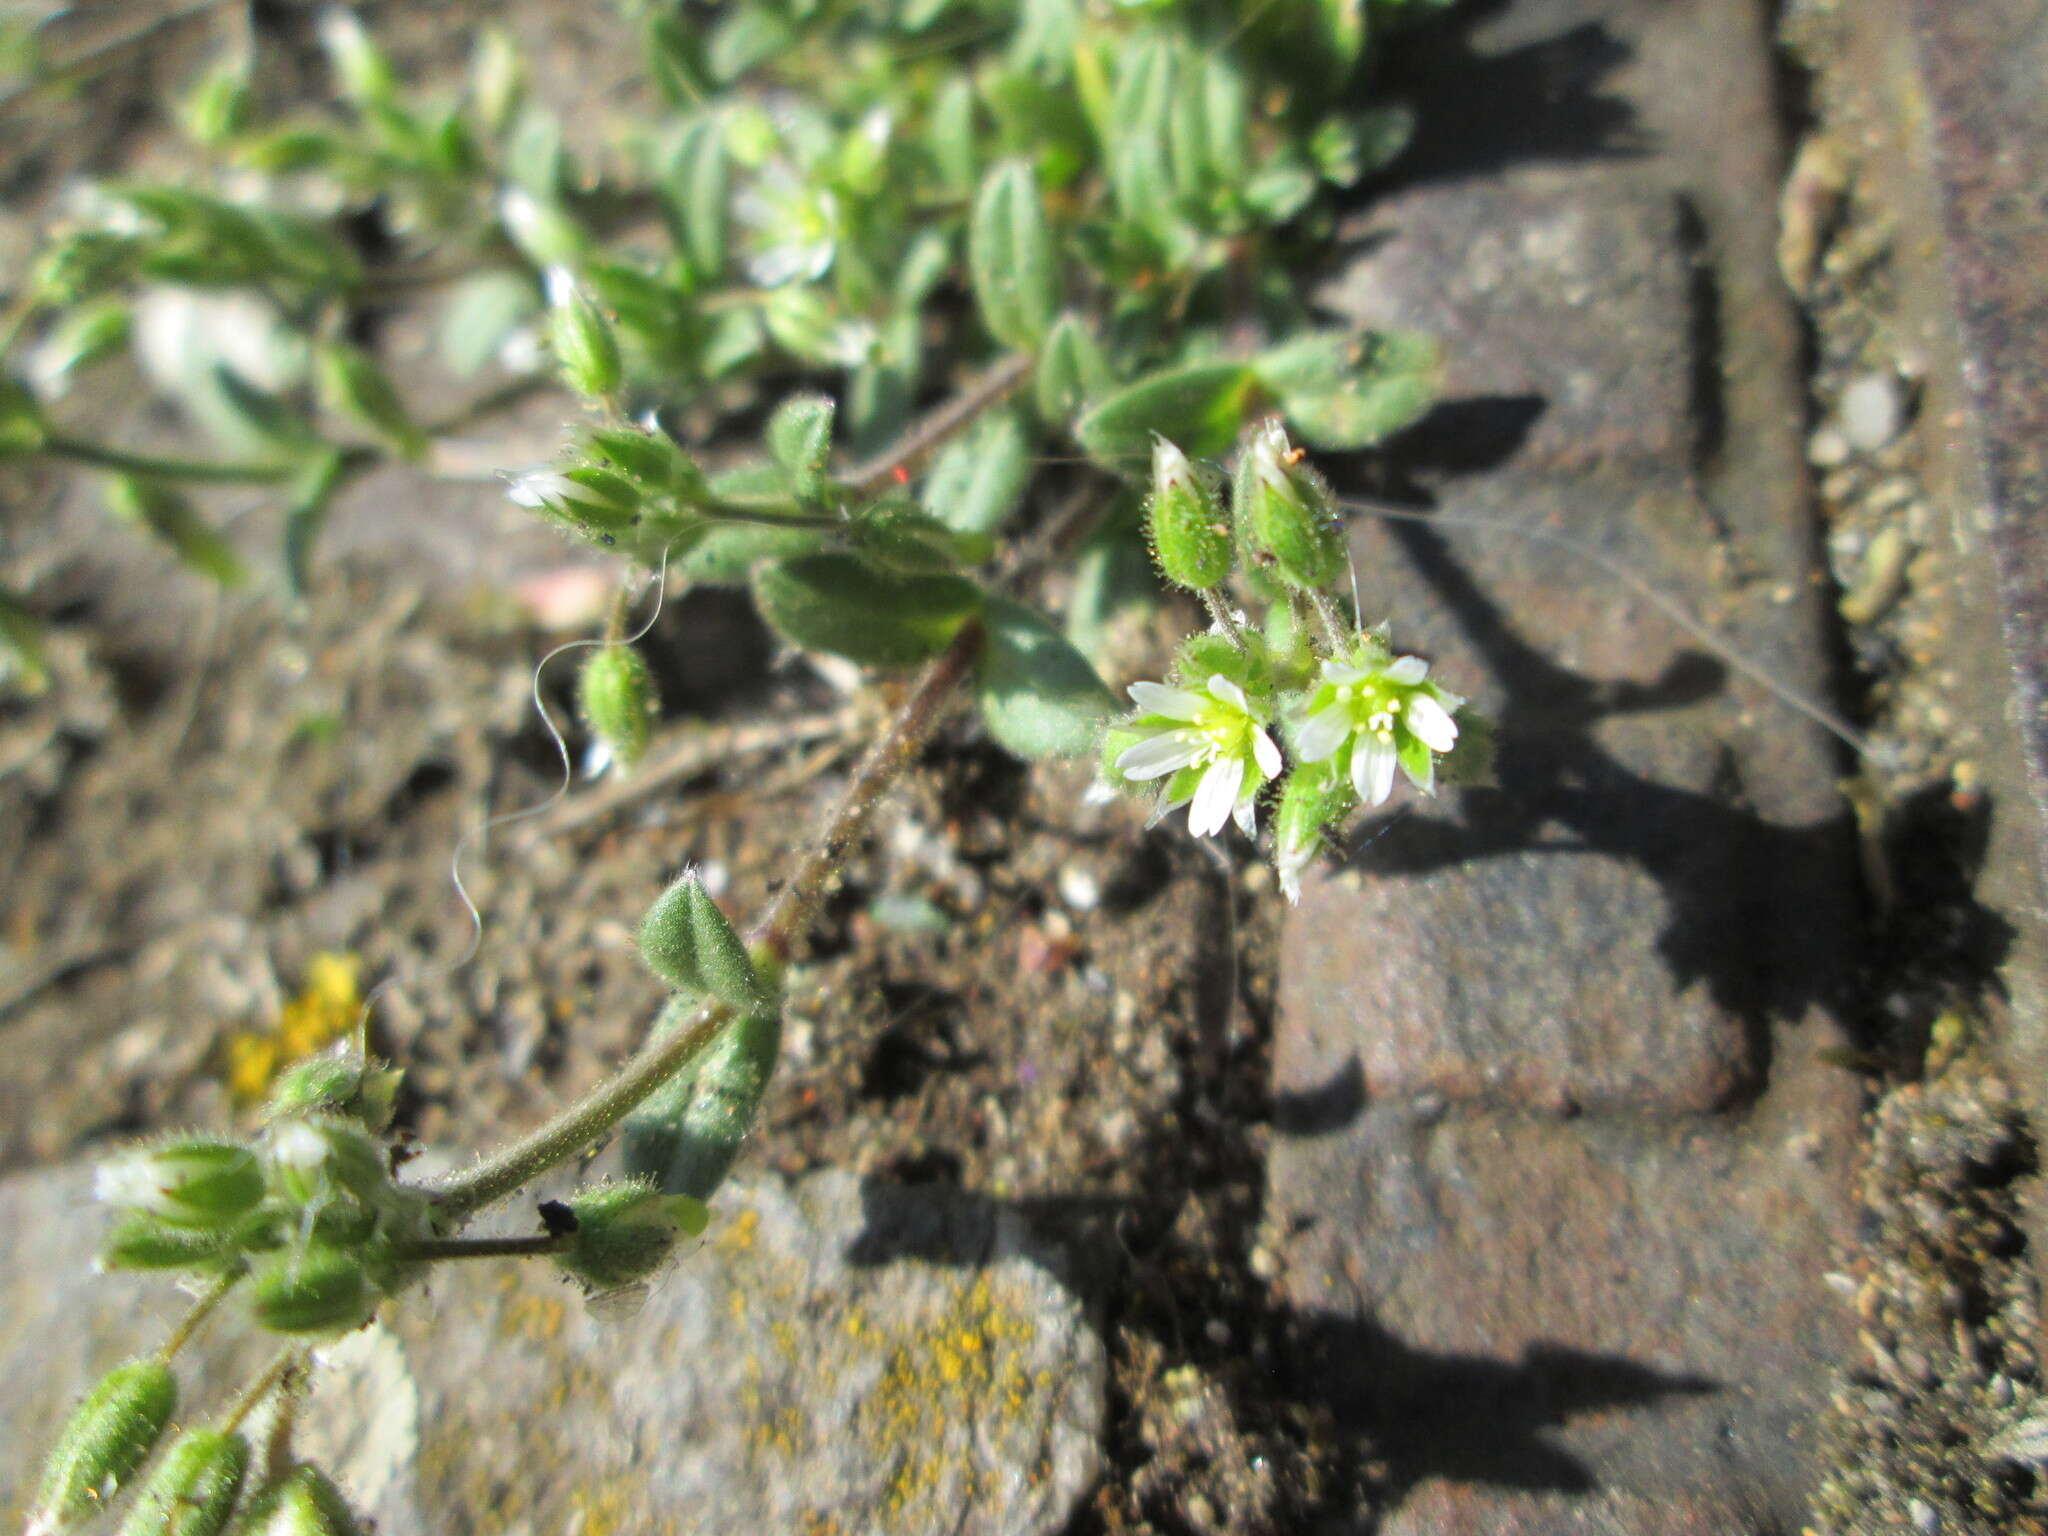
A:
478, 833
1663, 602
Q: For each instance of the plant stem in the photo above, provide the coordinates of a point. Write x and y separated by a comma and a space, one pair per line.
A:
788, 915
729, 512
434, 1251
121, 461
198, 1313
257, 1390
1331, 618
928, 434
1220, 612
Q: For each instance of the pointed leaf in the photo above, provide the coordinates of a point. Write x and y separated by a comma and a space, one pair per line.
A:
842, 605
1039, 696
1201, 407
1009, 251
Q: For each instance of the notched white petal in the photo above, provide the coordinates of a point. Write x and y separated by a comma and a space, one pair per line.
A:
1408, 670
1266, 754
1431, 722
1323, 733
1216, 796
1224, 689
1157, 756
1372, 770
1158, 699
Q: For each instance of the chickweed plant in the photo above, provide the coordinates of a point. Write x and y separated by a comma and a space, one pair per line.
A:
881, 311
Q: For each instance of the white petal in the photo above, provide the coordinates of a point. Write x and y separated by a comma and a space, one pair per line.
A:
1432, 722
1224, 689
1409, 669
1338, 673
1372, 769
1157, 756
1158, 699
1323, 733
1216, 796
1266, 754
1246, 813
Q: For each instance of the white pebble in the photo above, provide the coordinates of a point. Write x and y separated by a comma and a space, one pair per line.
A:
1873, 411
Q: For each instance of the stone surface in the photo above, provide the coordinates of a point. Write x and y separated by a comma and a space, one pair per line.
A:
834, 1357
1559, 1164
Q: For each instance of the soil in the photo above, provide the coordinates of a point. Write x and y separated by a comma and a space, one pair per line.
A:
1013, 989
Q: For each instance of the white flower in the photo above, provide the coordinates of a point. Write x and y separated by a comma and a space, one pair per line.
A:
1211, 746
795, 227
1386, 714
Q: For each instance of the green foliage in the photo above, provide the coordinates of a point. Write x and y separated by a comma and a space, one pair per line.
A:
688, 942
684, 1138
194, 1488
1039, 697
845, 606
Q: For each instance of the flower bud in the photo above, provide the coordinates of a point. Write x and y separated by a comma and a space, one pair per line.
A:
688, 942
107, 1438
315, 1160
685, 1137
625, 1231
315, 1289
497, 79
1285, 509
615, 691
301, 1503
1314, 798
194, 1488
593, 501
144, 1242
207, 1184
585, 347
1191, 536
347, 1086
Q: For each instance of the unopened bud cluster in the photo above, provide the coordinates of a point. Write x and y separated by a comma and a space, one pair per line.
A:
307, 1210
1313, 717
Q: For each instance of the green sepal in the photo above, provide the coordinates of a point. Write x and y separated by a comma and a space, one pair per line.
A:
687, 940
347, 1085
107, 1437
312, 1288
188, 1183
586, 350
840, 604
143, 1242
1200, 406
193, 1490
625, 1231
1038, 695
1285, 515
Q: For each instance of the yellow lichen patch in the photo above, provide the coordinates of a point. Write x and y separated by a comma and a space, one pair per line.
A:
944, 1378
738, 1234
536, 1319
326, 1008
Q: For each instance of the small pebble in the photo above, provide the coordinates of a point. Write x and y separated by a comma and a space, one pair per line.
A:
1873, 411
1265, 1263
1827, 448
1079, 888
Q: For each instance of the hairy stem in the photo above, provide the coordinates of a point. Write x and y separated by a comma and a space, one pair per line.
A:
1220, 612
151, 466
933, 430
788, 915
253, 1395
198, 1313
434, 1251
